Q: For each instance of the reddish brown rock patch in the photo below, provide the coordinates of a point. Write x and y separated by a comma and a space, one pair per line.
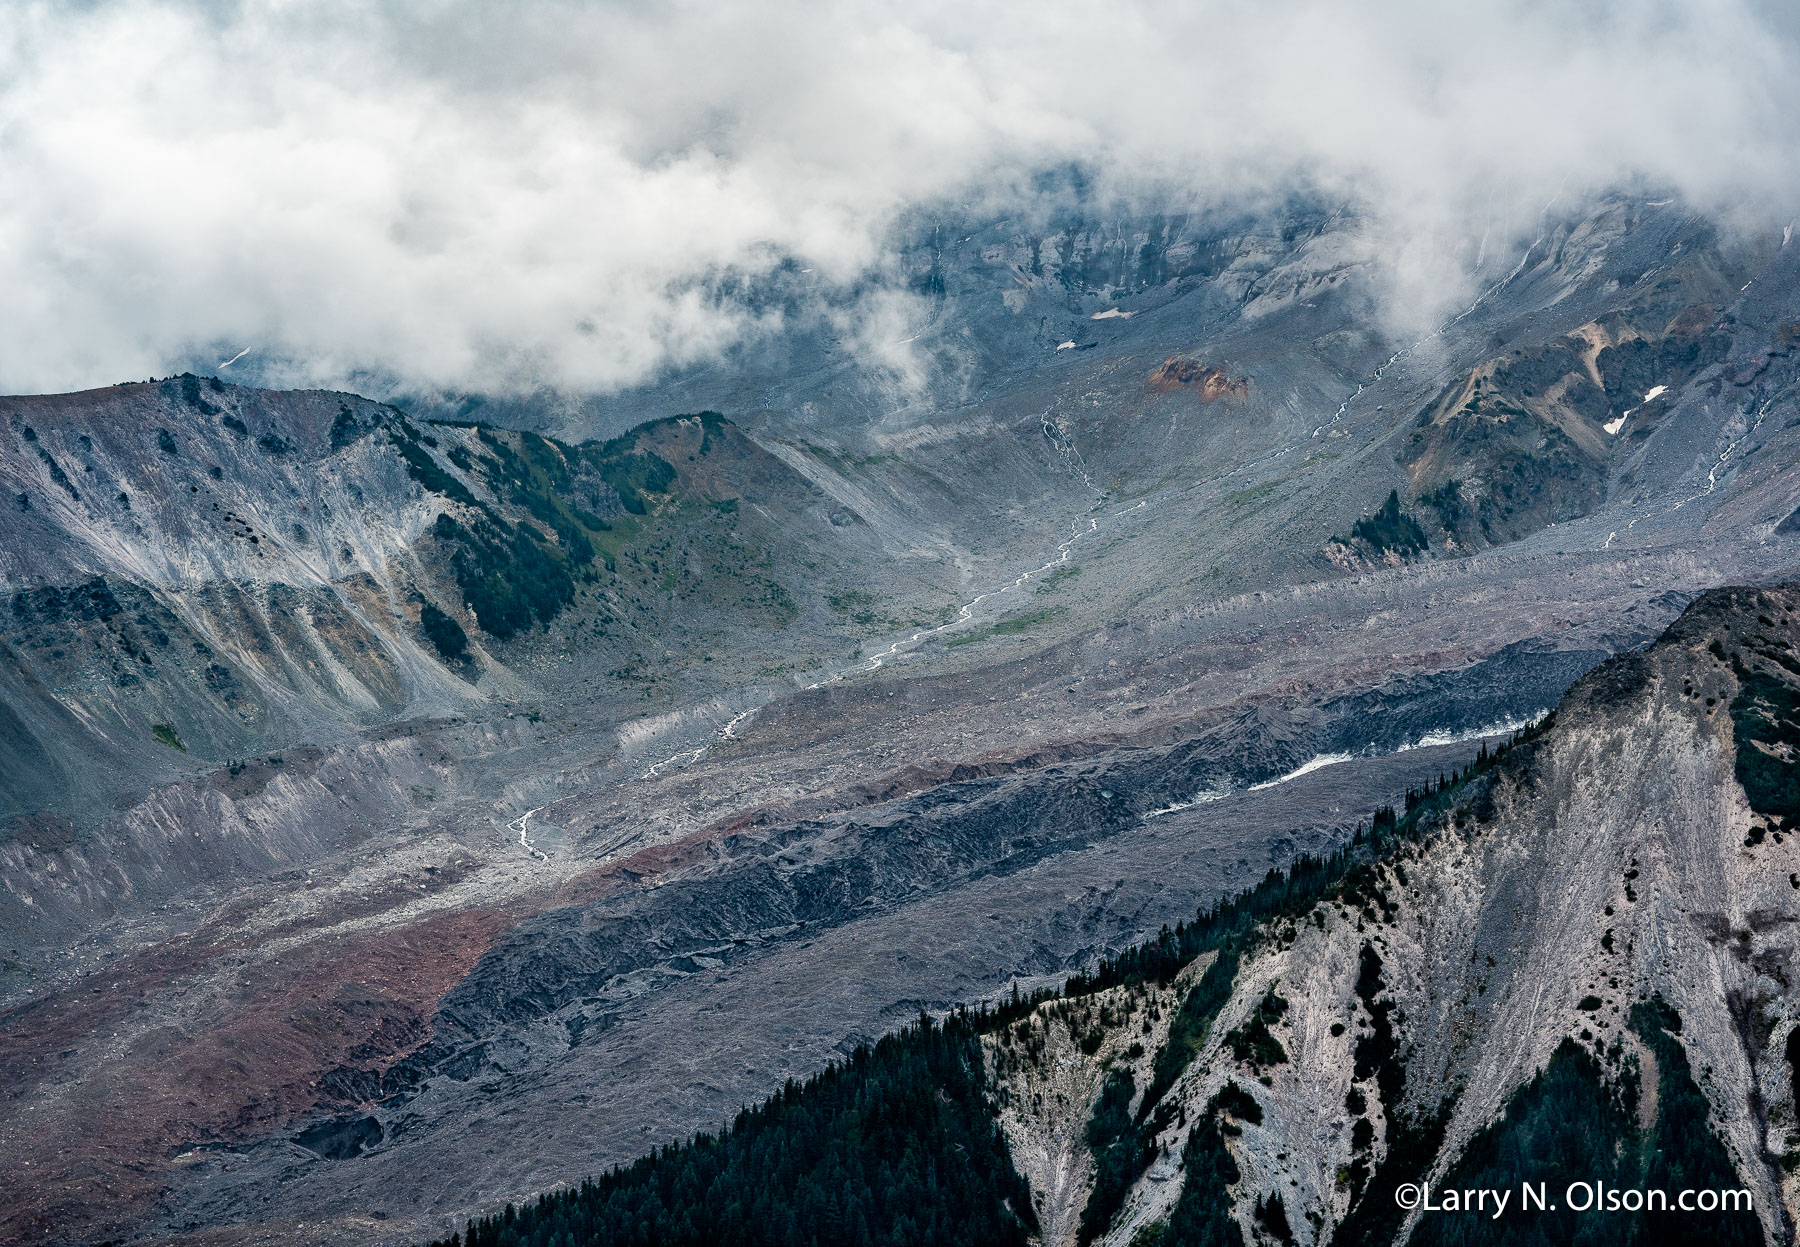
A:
1179, 372
109, 1081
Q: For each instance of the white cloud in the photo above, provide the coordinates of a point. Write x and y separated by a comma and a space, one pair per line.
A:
499, 196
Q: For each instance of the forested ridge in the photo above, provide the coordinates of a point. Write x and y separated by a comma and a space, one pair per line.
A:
895, 1145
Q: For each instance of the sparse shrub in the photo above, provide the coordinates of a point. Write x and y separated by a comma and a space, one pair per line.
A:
344, 429
1253, 1042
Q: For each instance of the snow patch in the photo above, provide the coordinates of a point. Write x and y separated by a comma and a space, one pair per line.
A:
1499, 727
1306, 768
1066, 346
1200, 798
1613, 426
1111, 313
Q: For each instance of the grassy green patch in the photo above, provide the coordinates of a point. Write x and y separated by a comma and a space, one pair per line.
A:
1243, 497
1016, 625
165, 734
1030, 619
855, 605
1059, 578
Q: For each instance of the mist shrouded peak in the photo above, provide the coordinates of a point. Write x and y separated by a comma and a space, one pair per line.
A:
544, 194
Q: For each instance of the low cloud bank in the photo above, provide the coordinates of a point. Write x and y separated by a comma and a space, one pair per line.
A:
506, 197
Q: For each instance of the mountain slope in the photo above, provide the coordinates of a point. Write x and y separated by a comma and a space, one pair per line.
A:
1570, 964
1613, 861
686, 759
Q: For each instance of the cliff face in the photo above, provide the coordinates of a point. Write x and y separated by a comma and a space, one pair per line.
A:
233, 565
1612, 868
197, 572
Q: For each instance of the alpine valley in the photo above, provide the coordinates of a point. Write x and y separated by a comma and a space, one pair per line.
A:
1179, 764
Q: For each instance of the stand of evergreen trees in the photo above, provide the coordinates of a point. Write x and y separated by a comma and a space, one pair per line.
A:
1390, 528
1571, 1123
895, 1146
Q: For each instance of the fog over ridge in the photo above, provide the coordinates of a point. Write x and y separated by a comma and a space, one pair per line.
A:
489, 197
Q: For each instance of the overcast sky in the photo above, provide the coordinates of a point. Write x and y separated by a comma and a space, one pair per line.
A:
494, 196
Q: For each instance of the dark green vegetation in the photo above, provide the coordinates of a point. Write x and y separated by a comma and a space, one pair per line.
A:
1193, 1018
896, 1145
1271, 1215
344, 429
1765, 721
509, 577
1572, 1123
1390, 528
511, 574
536, 524
1120, 1154
1253, 1043
408, 442
57, 474
635, 473
1526, 439
1447, 502
190, 392
444, 633
1234, 927
1202, 1215
1413, 1140
514, 574
164, 733
1347, 875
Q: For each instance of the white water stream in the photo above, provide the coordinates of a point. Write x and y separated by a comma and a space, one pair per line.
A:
966, 612
1712, 473
519, 824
